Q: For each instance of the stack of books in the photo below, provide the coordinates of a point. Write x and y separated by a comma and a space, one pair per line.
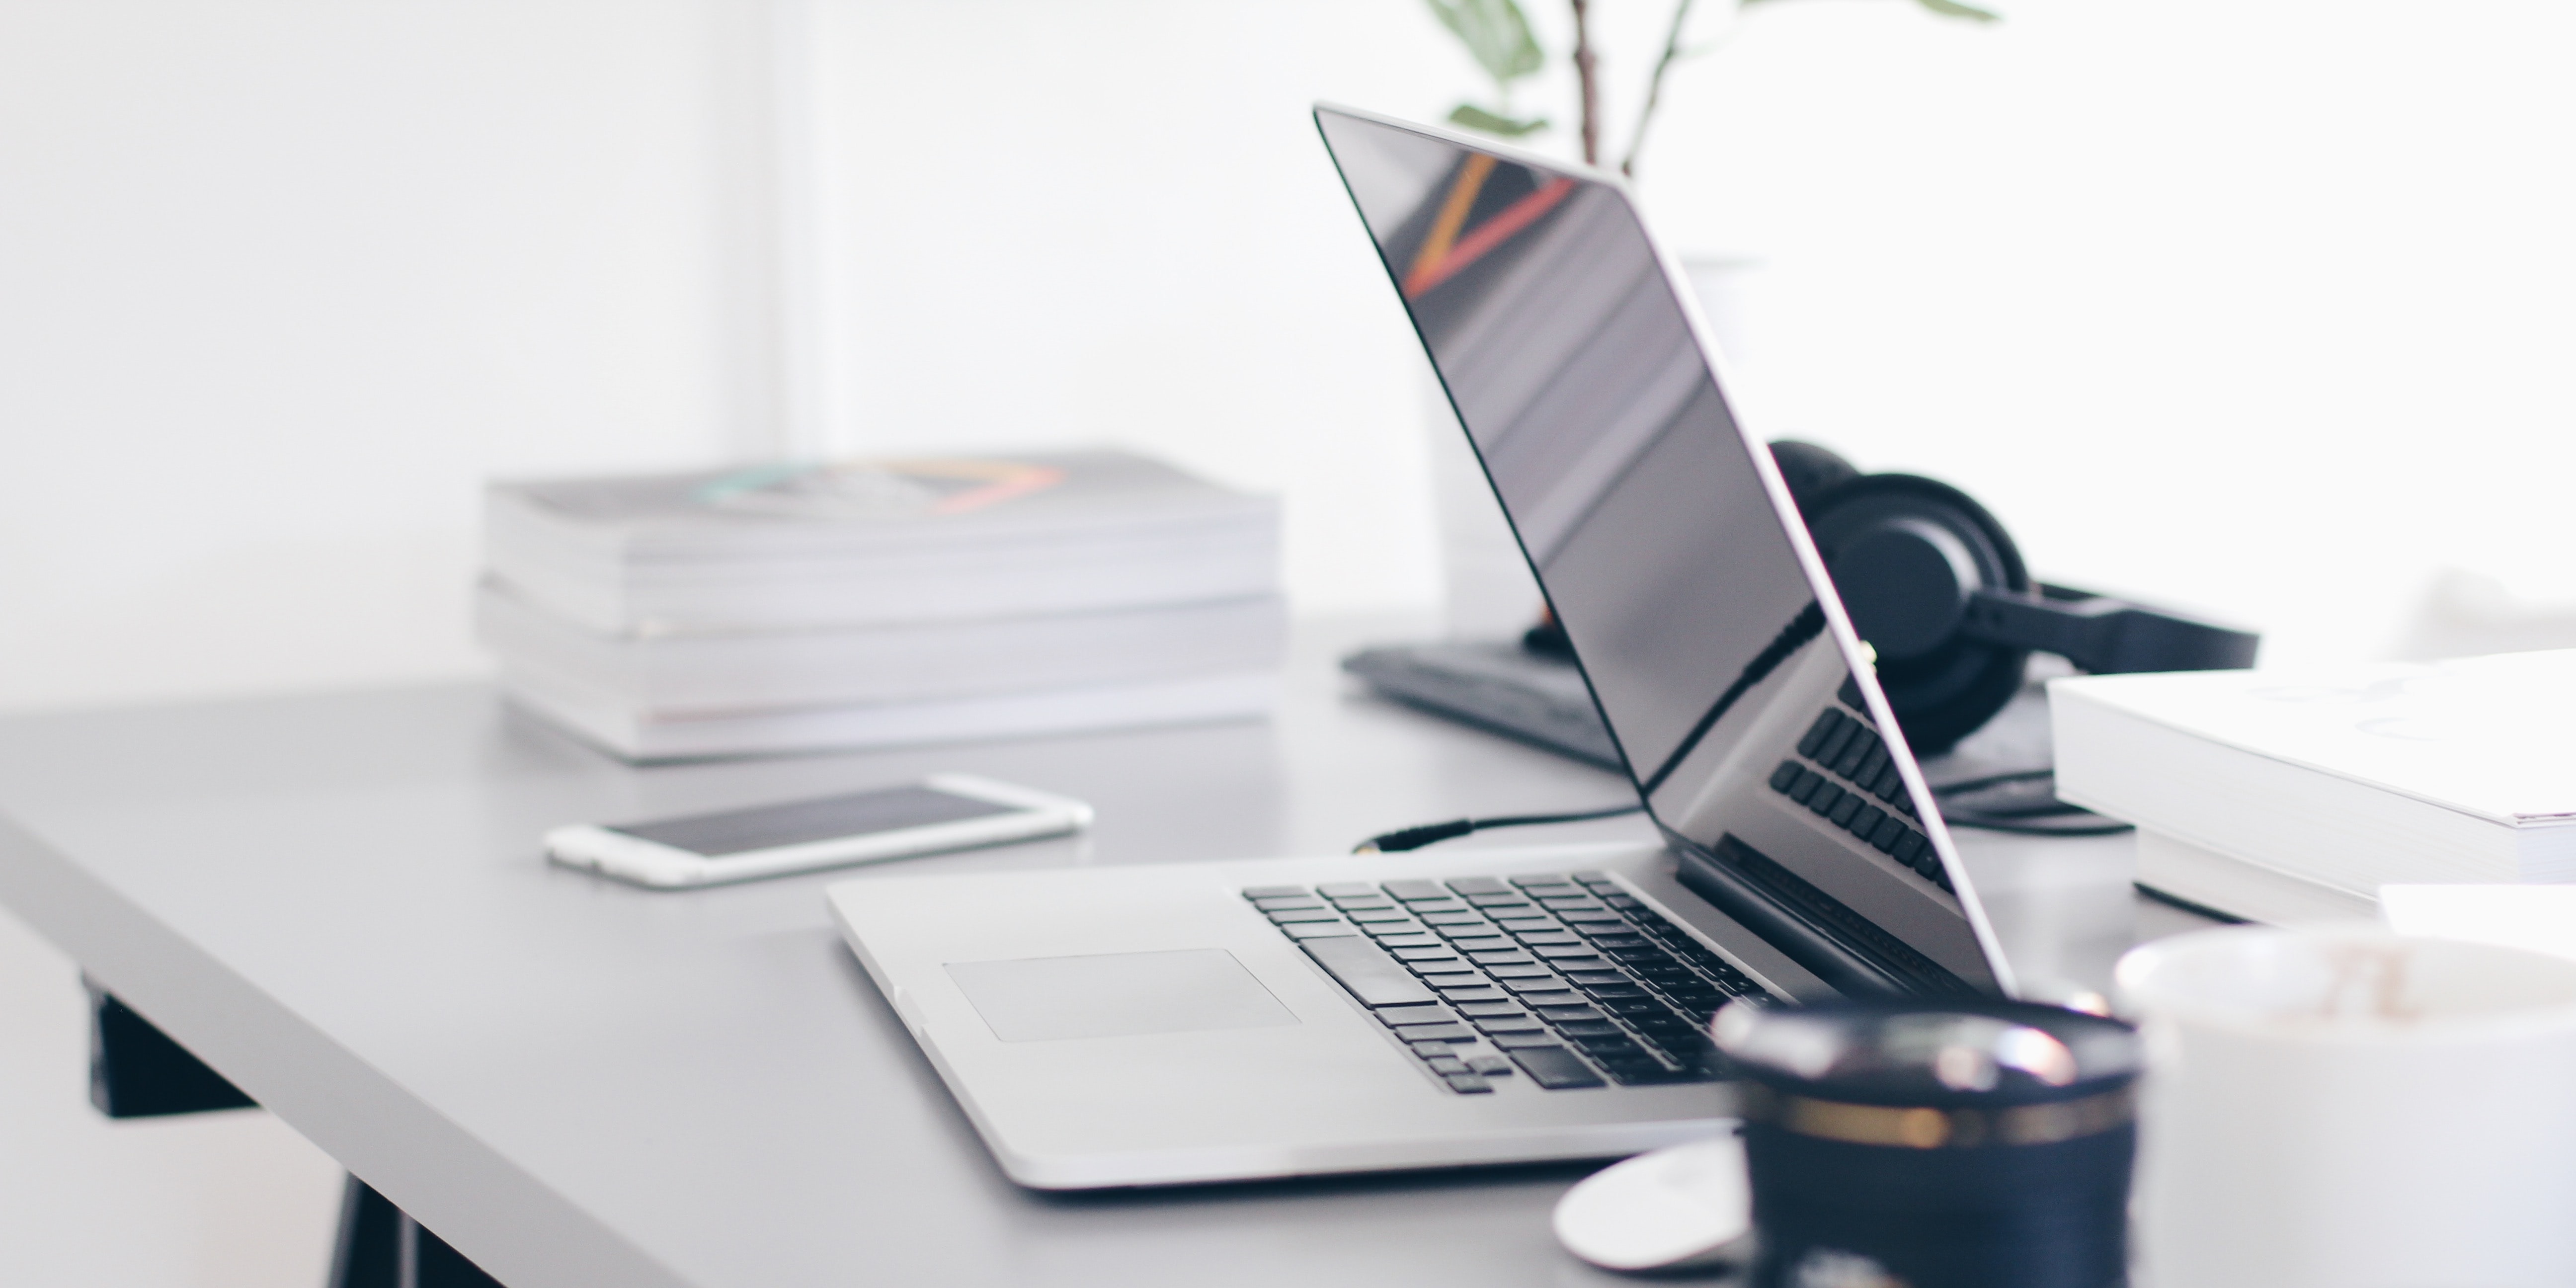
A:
809, 606
2289, 797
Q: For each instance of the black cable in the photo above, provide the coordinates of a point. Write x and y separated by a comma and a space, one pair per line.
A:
2021, 820
1990, 780
1414, 838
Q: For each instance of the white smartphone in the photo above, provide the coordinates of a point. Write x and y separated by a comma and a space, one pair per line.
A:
942, 812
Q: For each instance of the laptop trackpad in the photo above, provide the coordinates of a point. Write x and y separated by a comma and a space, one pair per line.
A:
1040, 999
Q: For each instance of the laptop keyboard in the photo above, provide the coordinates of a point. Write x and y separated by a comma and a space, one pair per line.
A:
1846, 767
1568, 981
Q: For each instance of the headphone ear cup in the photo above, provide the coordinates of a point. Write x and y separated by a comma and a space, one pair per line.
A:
1810, 471
1905, 552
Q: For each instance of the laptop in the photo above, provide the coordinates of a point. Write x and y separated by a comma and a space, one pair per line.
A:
1236, 1020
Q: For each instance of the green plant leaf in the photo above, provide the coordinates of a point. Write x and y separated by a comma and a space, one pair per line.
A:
1954, 9
1496, 34
1472, 117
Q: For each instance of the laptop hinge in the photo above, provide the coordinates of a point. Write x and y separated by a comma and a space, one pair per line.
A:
1800, 921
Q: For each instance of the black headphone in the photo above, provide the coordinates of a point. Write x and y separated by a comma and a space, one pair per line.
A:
1937, 588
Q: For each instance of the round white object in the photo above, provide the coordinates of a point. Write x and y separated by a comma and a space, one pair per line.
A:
1685, 1205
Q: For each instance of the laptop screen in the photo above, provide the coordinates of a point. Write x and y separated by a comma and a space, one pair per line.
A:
1550, 319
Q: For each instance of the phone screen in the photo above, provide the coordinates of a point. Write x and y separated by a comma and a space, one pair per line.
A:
768, 827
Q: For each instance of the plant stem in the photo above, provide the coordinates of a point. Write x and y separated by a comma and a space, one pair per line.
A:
1585, 75
1655, 85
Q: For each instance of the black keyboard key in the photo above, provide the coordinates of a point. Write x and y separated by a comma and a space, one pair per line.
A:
1518, 1041
1318, 930
1568, 1013
1276, 892
1508, 1024
1593, 878
1436, 1033
1492, 1066
1483, 943
1288, 903
1824, 727
1409, 891
1519, 970
1928, 862
1491, 961
1392, 1016
1430, 958
1622, 902
1538, 984
1469, 1084
1552, 999
1593, 1029
1889, 784
1555, 1068
1394, 940
1632, 1009
1372, 916
1785, 777
1317, 913
1887, 834
1397, 930
1855, 752
1619, 992
1825, 798
1657, 1076
1909, 846
1446, 1064
1563, 906
1526, 923
1347, 890
1609, 1049
1451, 919
1542, 879
1489, 1009
1809, 786
1870, 766
1844, 731
1578, 950
1864, 821
1446, 980
1549, 939
1578, 917
1617, 1062
1843, 809
1474, 993
1621, 938
1371, 976
1473, 886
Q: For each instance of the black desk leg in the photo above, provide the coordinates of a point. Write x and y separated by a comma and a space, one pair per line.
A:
380, 1246
136, 1071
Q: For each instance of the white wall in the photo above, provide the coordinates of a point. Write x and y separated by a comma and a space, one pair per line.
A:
2250, 305
279, 281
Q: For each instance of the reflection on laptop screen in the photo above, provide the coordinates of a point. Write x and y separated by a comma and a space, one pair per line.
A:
1600, 423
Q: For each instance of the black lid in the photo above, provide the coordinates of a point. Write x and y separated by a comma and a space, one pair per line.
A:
1936, 1053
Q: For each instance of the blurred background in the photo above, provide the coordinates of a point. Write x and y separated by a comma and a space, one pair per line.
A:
2258, 307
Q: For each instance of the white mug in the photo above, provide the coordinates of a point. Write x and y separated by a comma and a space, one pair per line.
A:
2348, 1108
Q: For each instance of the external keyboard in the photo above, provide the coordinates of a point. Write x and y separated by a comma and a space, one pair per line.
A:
1569, 980
1848, 766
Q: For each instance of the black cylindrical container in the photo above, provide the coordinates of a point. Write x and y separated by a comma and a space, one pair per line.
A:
1936, 1144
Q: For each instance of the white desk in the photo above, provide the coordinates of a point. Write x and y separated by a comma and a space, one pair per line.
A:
338, 902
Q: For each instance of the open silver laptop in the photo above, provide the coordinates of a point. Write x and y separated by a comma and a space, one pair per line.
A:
1158, 1025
